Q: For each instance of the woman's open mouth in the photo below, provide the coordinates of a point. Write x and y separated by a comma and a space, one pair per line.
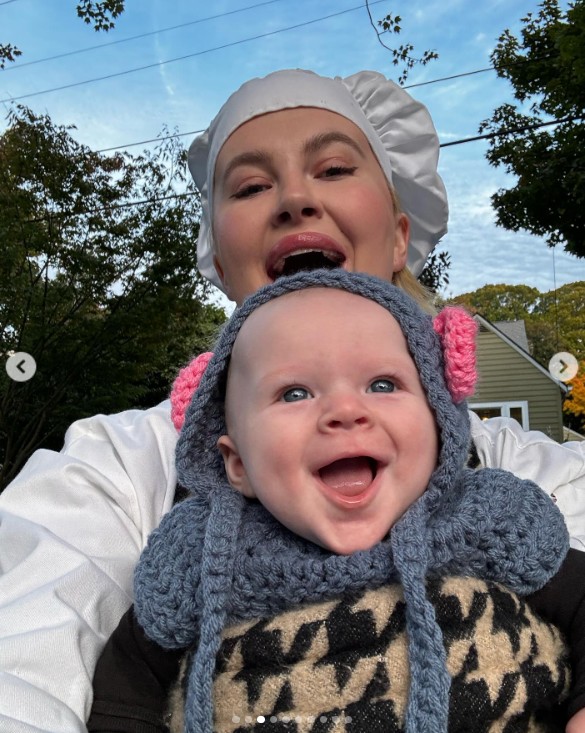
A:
310, 259
303, 251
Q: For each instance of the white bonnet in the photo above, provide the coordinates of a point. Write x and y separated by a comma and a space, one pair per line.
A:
398, 128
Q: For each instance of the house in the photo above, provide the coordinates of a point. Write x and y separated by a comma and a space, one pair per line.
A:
512, 383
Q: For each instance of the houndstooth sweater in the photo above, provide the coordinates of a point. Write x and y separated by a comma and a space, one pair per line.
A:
340, 666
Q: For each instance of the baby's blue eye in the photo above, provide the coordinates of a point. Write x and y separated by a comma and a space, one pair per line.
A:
295, 394
385, 386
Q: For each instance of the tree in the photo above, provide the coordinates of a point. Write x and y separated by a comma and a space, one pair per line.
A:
564, 311
8, 52
99, 14
501, 302
403, 54
574, 405
546, 67
98, 280
555, 321
435, 274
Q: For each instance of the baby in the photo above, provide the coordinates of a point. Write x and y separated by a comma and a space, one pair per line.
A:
335, 567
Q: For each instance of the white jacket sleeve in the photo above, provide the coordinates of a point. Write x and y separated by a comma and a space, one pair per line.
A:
72, 526
559, 468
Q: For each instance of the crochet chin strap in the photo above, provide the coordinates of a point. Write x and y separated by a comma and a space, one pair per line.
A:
224, 521
427, 708
219, 558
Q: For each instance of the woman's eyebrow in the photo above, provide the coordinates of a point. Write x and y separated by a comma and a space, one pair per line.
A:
311, 146
323, 139
250, 157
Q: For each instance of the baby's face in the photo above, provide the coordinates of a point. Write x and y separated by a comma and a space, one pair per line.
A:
328, 423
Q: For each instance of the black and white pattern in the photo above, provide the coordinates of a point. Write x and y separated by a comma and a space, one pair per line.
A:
342, 666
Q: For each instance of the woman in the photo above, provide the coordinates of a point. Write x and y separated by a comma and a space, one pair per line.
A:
296, 171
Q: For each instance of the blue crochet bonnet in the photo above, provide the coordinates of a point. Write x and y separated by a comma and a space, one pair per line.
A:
219, 558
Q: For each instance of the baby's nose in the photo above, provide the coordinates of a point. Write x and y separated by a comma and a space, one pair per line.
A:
345, 412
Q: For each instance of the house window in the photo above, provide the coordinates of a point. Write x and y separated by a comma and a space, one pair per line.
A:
516, 410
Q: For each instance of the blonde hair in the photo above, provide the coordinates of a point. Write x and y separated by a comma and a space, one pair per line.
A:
405, 280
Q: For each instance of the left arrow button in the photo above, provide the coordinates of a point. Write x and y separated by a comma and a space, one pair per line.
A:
21, 366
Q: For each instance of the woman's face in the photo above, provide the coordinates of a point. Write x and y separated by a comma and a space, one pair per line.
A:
300, 189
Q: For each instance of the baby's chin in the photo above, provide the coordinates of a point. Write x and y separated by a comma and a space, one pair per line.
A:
349, 543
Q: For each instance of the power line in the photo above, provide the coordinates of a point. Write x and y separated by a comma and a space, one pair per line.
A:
267, 2
203, 20
177, 135
410, 86
450, 78
151, 140
128, 204
187, 56
111, 207
445, 78
441, 145
510, 131
519, 62
134, 38
556, 299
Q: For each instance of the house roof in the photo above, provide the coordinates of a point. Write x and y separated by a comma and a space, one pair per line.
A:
515, 330
504, 332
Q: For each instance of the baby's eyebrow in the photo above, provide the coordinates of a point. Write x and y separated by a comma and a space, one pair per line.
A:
322, 139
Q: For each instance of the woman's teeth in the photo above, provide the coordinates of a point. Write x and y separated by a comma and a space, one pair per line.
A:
306, 259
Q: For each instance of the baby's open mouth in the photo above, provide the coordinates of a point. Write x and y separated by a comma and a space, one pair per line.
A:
349, 476
305, 259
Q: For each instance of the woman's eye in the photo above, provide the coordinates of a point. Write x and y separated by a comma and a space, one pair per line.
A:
385, 386
295, 394
250, 190
338, 170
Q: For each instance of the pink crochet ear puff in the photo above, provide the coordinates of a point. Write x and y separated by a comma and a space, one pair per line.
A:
457, 331
184, 387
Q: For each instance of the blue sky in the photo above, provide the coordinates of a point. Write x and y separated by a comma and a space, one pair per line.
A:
187, 91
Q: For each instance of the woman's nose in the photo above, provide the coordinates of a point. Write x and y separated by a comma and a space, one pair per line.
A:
297, 201
345, 412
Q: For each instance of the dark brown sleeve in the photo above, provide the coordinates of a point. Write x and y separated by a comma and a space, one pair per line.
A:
132, 681
562, 602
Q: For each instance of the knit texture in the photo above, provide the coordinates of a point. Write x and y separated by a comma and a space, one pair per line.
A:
457, 331
184, 387
219, 558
